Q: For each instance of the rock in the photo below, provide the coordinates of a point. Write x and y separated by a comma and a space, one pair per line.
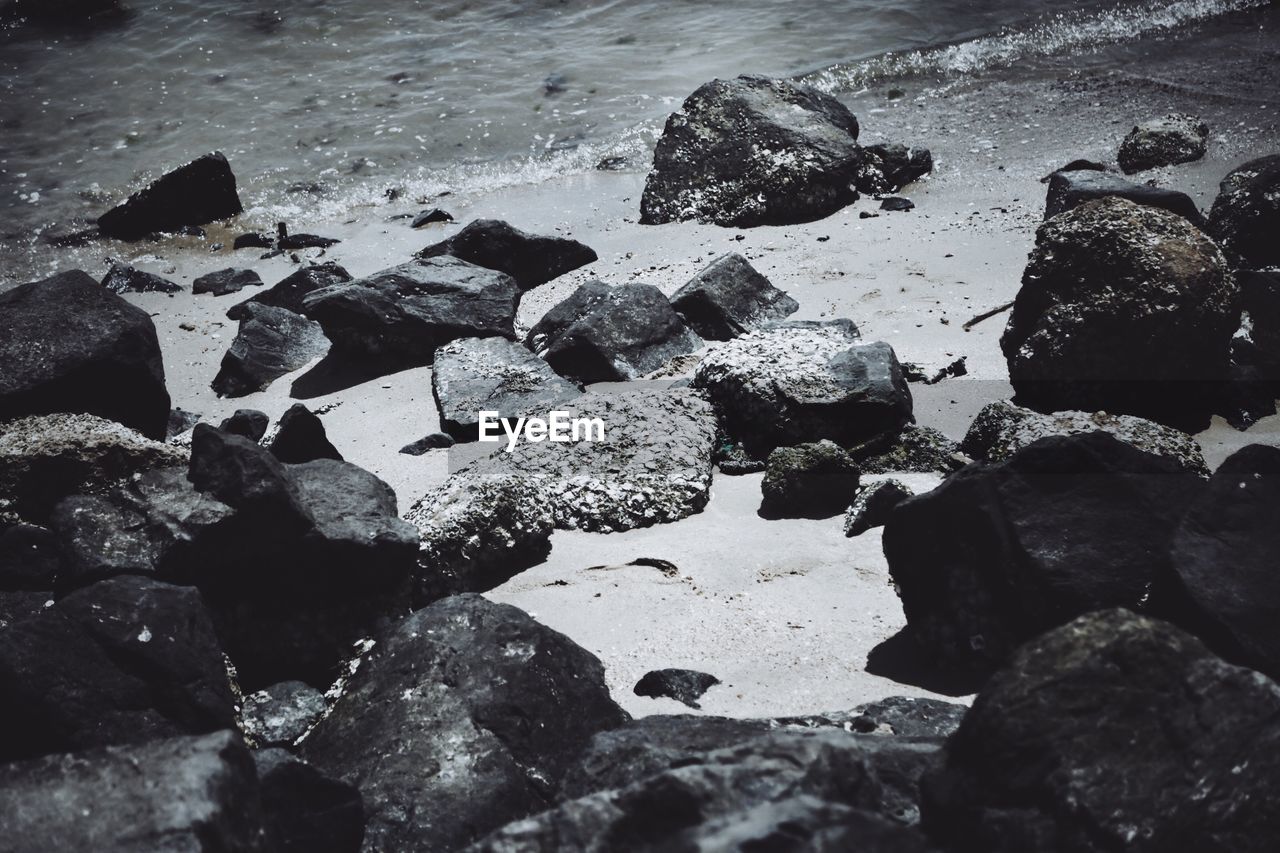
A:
1001, 429
1163, 142
179, 422
474, 375
1260, 298
67, 344
897, 203
122, 278
1000, 553
1115, 732
427, 217
887, 168
728, 298
1070, 189
1246, 213
200, 192
291, 290
435, 726
270, 343
753, 151
816, 480
280, 714
1085, 333
403, 314
253, 240
300, 437
249, 423
802, 382
294, 242
305, 811
612, 335
1252, 387
183, 793
528, 258
683, 685
44, 458
915, 450
246, 477
29, 559
123, 661
909, 716
434, 441
18, 605
100, 539
227, 281
872, 506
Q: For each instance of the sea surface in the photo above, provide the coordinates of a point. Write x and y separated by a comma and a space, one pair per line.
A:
325, 104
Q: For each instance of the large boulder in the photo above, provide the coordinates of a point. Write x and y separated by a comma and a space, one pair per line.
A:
815, 480
1164, 141
612, 334
1069, 189
800, 382
100, 538
290, 291
67, 344
1246, 213
476, 375
270, 343
528, 258
200, 192
1000, 553
463, 718
1115, 732
753, 151
1123, 308
728, 298
402, 314
183, 793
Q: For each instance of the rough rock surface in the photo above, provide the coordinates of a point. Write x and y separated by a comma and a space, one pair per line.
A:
561, 316
435, 727
473, 375
290, 291
270, 343
195, 194
300, 437
280, 714
1126, 309
1072, 189
1002, 552
225, 282
305, 811
1246, 213
530, 259
1115, 732
1001, 429
250, 423
872, 506
122, 278
816, 480
887, 168
1163, 142
753, 151
99, 539
728, 298
434, 441
800, 382
917, 449
683, 685
67, 344
29, 558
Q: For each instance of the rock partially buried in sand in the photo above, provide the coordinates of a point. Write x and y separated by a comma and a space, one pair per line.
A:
291, 290
1068, 189
1114, 732
434, 441
873, 505
683, 685
1245, 217
753, 151
728, 298
528, 258
225, 282
270, 343
888, 168
122, 278
300, 437
1126, 309
200, 192
67, 344
897, 204
1163, 142
249, 423
816, 480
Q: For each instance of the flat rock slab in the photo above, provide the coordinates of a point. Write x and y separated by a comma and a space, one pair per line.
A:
1074, 188
225, 282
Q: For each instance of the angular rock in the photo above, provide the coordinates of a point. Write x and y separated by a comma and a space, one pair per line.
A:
873, 505
247, 477
100, 539
802, 382
683, 685
1070, 189
1246, 213
1002, 429
227, 281
909, 716
434, 441
816, 480
887, 168
435, 726
528, 258
753, 151
280, 714
1114, 732
897, 204
290, 291
1163, 142
249, 423
1000, 553
29, 559
728, 298
122, 278
67, 344
270, 343
474, 375
180, 421
915, 450
200, 192
1125, 309
300, 437
403, 314
612, 335
305, 811
427, 217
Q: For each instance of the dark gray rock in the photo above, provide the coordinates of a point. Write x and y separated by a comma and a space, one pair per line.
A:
816, 480
1085, 334
249, 423
17, 605
122, 278
1260, 298
887, 168
300, 437
915, 450
589, 295
180, 421
427, 217
29, 559
435, 728
202, 191
909, 716
728, 298
253, 240
1163, 142
100, 539
280, 714
434, 441
753, 151
290, 291
247, 477
270, 343
1114, 732
474, 375
1246, 213
1000, 553
897, 203
683, 685
305, 811
1069, 189
528, 258
67, 344
872, 506
227, 281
